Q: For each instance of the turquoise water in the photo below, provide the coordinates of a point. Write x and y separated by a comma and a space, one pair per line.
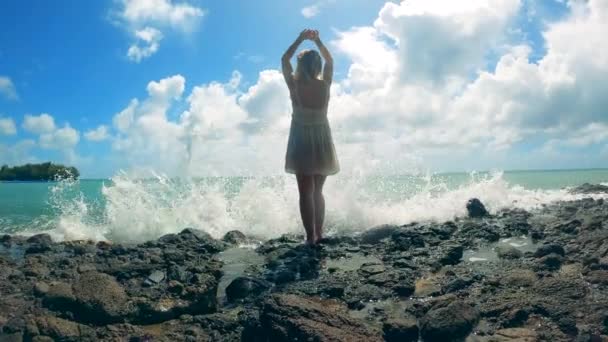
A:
130, 209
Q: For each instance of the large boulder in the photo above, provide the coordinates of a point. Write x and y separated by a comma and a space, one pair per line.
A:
447, 323
234, 237
293, 318
400, 330
39, 243
476, 209
95, 298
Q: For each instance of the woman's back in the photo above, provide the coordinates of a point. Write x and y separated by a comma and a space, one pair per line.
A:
312, 94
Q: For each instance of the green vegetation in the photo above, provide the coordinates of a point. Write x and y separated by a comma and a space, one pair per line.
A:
37, 172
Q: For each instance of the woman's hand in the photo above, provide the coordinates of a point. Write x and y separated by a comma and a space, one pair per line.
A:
309, 34
314, 35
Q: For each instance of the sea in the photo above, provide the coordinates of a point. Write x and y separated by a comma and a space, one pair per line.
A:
130, 209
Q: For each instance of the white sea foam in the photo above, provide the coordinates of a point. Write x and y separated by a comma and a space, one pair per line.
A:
136, 210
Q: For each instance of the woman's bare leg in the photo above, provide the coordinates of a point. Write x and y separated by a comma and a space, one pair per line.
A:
319, 206
306, 187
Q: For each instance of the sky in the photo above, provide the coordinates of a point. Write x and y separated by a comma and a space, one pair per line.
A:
193, 87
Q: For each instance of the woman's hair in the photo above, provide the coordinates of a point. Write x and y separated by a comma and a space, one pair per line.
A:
309, 65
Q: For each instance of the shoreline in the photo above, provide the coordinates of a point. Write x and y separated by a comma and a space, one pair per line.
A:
471, 279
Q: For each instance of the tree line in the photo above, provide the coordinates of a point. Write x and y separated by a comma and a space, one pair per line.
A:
38, 172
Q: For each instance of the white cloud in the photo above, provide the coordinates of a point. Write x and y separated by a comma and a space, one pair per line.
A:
61, 139
162, 12
313, 10
123, 120
420, 88
98, 134
43, 123
7, 88
7, 126
310, 11
150, 38
146, 20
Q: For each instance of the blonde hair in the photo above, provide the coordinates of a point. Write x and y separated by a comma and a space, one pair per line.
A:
309, 65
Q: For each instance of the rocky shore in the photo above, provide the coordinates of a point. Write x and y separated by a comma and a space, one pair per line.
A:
511, 276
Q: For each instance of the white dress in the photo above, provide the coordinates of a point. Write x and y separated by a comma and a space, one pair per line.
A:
310, 149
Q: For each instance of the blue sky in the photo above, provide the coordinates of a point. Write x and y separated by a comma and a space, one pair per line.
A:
70, 59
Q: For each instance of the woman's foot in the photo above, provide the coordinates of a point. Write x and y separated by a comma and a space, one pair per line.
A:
311, 240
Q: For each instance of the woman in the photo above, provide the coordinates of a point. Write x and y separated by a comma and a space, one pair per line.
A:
311, 155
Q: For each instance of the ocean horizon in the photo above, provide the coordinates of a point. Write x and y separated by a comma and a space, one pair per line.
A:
126, 208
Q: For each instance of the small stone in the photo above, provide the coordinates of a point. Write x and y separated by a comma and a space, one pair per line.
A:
41, 288
551, 262
11, 337
476, 209
175, 286
371, 269
452, 255
86, 268
427, 287
598, 277
508, 252
517, 334
549, 249
519, 278
156, 277
245, 287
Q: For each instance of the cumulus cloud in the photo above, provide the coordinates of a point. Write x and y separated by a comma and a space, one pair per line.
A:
422, 93
7, 126
43, 123
7, 88
428, 81
60, 139
100, 133
146, 20
148, 42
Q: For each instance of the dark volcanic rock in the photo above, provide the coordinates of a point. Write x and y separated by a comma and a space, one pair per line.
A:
246, 287
590, 189
549, 249
234, 238
400, 330
476, 209
39, 244
203, 240
452, 255
377, 234
508, 252
448, 323
293, 318
94, 298
551, 262
63, 330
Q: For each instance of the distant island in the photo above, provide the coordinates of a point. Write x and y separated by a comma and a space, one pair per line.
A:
38, 172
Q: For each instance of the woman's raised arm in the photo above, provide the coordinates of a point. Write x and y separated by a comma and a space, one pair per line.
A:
328, 69
286, 59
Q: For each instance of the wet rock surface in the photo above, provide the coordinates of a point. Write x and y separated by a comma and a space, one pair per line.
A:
511, 275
